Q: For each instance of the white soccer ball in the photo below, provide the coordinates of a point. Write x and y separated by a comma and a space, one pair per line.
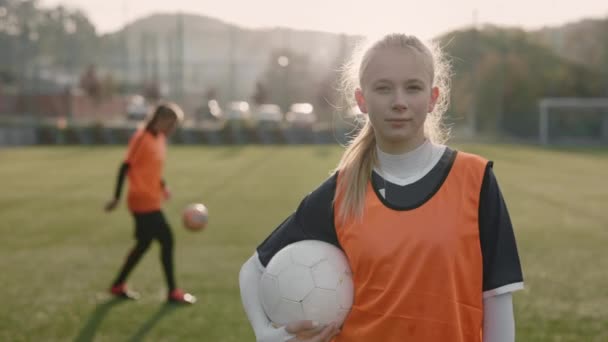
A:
195, 217
307, 280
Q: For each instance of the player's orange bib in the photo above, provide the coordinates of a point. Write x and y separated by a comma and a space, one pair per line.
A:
418, 272
146, 156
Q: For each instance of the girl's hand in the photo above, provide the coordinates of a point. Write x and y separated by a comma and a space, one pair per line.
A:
299, 331
166, 193
306, 331
111, 205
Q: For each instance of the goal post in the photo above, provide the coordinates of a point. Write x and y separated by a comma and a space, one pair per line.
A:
599, 105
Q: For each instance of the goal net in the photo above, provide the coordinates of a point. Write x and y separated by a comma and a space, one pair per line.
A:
573, 121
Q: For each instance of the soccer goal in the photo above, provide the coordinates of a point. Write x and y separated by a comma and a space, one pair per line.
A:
565, 120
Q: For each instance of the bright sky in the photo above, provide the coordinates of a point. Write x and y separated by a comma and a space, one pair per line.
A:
424, 18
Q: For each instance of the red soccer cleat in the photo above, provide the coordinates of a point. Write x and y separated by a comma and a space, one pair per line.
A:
181, 297
121, 291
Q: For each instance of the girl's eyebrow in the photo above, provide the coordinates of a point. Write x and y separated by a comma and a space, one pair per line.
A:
386, 80
414, 80
382, 80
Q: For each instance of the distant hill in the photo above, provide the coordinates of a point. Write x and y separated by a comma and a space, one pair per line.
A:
583, 42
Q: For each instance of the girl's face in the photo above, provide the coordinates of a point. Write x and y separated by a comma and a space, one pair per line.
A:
396, 92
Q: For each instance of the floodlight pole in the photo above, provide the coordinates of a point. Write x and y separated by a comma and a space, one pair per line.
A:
473, 109
125, 56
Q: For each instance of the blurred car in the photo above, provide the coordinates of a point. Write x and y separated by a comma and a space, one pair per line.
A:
268, 115
137, 108
301, 115
210, 111
237, 111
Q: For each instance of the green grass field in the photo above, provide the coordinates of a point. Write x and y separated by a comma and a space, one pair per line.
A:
59, 250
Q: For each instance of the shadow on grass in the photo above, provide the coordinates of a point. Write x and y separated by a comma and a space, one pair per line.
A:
147, 326
87, 333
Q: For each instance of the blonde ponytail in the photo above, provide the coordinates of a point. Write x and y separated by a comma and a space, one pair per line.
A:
355, 168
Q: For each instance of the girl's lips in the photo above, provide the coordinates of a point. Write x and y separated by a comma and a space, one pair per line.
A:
398, 120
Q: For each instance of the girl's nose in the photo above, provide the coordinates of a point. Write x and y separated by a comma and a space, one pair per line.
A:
399, 102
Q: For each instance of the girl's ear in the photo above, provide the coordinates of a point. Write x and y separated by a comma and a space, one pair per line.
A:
434, 98
360, 100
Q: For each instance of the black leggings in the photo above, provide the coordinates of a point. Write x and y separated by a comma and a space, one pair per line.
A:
148, 227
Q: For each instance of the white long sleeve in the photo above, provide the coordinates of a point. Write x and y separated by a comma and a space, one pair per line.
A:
498, 320
249, 283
